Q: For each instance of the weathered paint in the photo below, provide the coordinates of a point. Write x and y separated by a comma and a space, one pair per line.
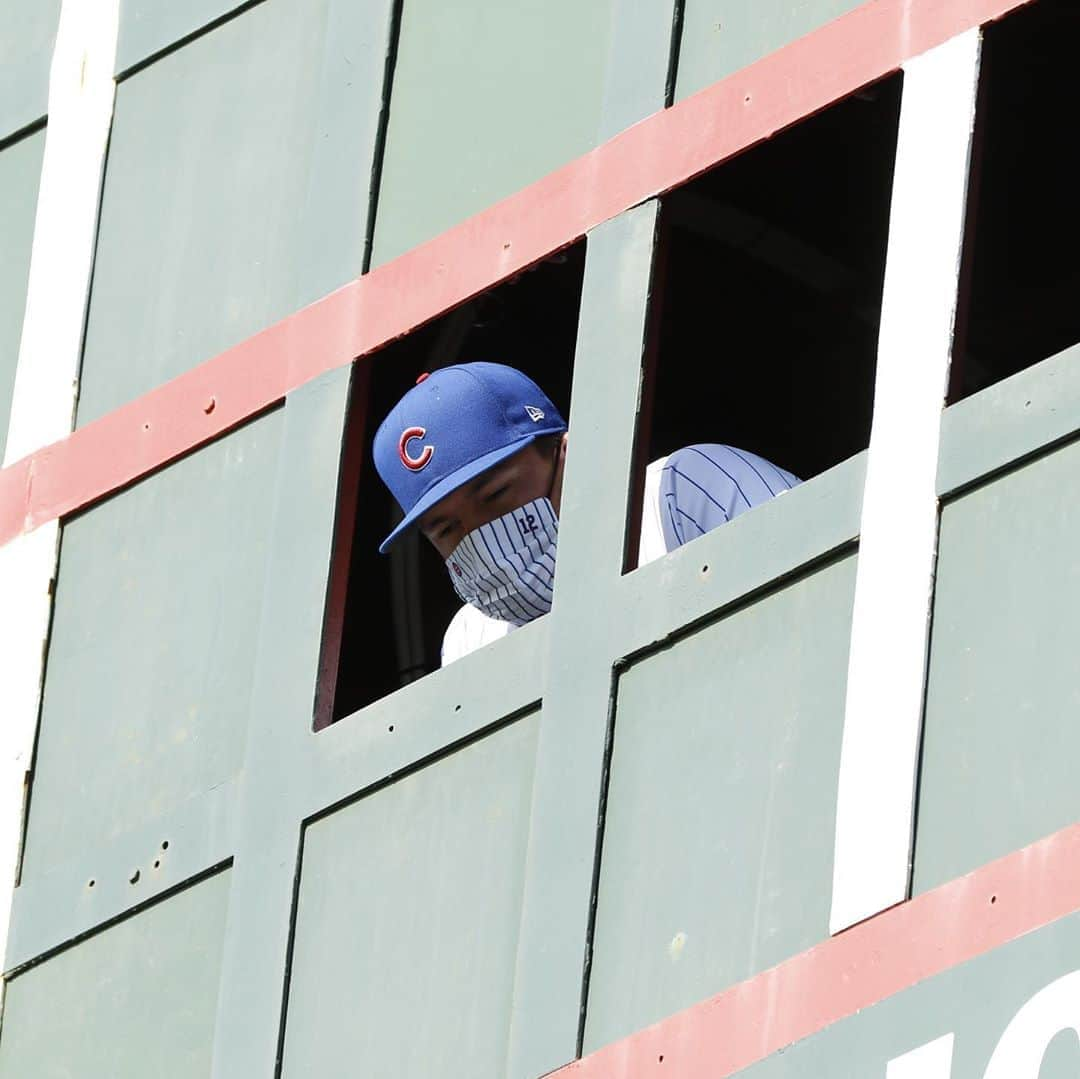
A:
1004, 687
58, 907
545, 1026
153, 642
299, 776
897, 543
26, 49
427, 718
148, 27
937, 932
290, 775
235, 191
137, 999
722, 36
432, 882
650, 157
471, 78
717, 856
48, 340
278, 755
1007, 1015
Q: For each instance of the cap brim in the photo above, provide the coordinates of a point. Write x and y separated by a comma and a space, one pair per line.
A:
449, 484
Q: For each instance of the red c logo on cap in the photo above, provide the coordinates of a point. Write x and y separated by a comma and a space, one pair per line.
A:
414, 464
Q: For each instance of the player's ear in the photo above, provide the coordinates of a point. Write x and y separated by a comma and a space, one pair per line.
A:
557, 478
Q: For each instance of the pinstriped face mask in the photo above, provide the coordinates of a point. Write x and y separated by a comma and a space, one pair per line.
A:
506, 568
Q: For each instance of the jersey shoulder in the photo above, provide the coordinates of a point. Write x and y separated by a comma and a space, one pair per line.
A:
705, 485
469, 630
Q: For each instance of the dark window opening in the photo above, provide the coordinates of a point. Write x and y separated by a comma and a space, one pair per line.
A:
767, 293
1021, 275
391, 610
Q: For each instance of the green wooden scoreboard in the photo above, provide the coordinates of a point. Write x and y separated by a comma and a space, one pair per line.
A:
797, 799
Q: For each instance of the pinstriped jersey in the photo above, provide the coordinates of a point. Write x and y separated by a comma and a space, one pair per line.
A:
705, 486
694, 490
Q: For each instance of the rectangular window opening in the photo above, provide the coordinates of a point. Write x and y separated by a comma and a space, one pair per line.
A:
1020, 275
767, 298
386, 614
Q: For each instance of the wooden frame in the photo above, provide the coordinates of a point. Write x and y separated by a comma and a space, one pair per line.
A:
256, 822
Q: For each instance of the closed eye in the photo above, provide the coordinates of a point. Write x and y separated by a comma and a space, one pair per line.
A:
439, 529
494, 496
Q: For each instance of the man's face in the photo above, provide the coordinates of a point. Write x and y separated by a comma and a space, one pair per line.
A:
532, 473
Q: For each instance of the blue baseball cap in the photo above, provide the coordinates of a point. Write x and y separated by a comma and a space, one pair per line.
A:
453, 425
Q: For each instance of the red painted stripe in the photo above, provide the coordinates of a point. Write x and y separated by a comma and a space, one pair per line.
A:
874, 960
14, 499
655, 155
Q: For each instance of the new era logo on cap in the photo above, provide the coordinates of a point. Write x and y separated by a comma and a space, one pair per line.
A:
535, 414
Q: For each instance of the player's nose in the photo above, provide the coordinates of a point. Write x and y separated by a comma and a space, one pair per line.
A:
473, 514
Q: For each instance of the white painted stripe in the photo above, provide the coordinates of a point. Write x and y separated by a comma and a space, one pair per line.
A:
1019, 1054
897, 549
81, 96
81, 92
930, 1061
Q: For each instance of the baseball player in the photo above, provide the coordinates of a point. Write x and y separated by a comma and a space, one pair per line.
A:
474, 455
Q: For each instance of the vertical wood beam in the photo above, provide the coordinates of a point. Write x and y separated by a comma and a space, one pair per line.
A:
551, 977
271, 793
553, 948
81, 96
897, 549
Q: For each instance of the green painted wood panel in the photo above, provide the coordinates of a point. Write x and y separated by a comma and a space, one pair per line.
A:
136, 1000
1013, 419
975, 1001
236, 189
26, 48
407, 921
273, 799
148, 682
636, 83
20, 173
718, 841
722, 36
1001, 738
486, 99
570, 767
148, 26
